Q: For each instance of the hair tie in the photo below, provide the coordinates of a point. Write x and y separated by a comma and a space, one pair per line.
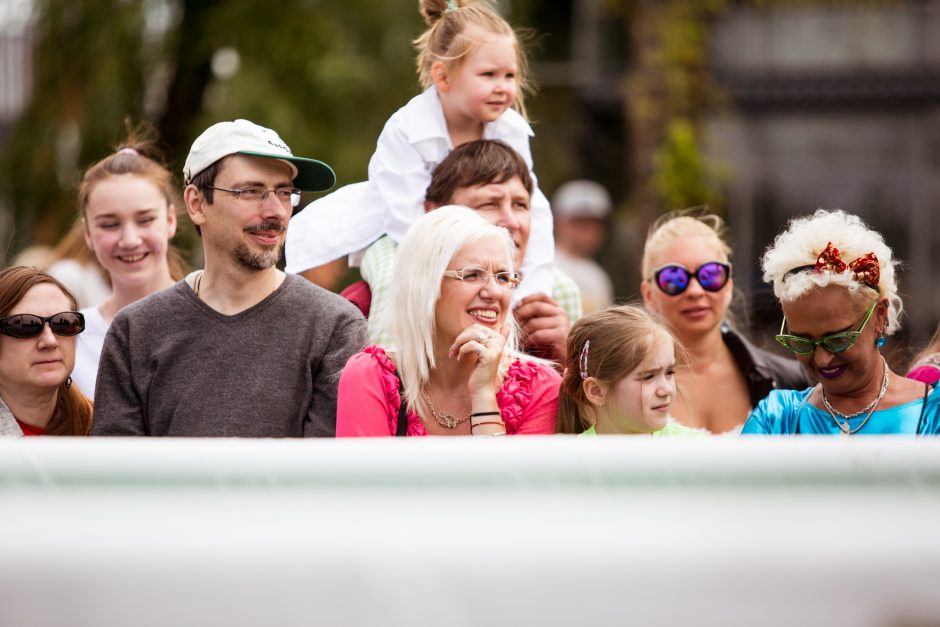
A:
127, 150
451, 6
583, 362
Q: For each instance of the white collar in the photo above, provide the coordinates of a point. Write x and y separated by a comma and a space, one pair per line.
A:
424, 119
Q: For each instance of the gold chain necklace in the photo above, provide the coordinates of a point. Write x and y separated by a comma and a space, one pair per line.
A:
444, 419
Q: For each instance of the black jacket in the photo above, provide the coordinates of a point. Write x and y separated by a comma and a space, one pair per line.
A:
763, 370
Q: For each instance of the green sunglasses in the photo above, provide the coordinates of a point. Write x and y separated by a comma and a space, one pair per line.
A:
835, 343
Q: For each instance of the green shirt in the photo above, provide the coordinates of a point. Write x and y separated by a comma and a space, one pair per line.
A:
671, 428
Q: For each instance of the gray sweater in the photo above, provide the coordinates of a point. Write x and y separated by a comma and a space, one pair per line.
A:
172, 365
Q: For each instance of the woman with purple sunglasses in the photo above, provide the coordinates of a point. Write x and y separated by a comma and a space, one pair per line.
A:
38, 327
687, 279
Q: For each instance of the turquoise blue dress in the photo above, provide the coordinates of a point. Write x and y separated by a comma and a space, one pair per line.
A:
787, 412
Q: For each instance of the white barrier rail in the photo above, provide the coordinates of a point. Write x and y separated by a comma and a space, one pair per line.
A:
497, 531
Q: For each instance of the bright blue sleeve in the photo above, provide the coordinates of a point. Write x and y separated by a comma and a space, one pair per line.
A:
777, 413
932, 413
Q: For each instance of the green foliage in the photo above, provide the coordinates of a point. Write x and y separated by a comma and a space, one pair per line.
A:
671, 92
325, 74
681, 175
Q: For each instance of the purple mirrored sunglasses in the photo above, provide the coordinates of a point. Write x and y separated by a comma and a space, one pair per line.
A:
674, 279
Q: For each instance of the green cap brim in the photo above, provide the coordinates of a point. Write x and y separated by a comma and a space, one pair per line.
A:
312, 175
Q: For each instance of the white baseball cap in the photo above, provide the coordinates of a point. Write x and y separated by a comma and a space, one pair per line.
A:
581, 199
247, 138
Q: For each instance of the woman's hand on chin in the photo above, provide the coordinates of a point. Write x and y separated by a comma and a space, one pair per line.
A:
484, 347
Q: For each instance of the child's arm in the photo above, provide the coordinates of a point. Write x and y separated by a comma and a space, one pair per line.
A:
540, 254
401, 173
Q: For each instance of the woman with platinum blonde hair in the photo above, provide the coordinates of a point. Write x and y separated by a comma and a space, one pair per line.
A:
836, 282
687, 280
455, 367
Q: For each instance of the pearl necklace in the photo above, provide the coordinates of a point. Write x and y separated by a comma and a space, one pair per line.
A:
870, 409
444, 419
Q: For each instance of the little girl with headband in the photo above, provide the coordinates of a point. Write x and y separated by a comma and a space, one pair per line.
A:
620, 376
474, 74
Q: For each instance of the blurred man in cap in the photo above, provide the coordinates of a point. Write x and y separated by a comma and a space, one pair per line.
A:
581, 209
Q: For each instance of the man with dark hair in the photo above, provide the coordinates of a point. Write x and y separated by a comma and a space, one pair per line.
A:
492, 178
240, 348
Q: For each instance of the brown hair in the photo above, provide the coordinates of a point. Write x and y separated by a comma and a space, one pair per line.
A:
136, 156
73, 411
478, 162
621, 338
453, 34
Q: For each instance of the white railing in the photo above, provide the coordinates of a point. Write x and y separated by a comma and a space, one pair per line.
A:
514, 531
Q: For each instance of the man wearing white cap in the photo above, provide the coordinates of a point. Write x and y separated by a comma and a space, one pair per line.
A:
581, 208
240, 348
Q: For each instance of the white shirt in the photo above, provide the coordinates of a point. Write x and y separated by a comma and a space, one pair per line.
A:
88, 351
85, 282
414, 141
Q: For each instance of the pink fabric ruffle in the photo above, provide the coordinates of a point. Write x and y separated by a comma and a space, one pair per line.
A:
516, 393
512, 398
390, 388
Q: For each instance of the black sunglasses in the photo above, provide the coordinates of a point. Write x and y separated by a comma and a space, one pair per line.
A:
24, 326
674, 279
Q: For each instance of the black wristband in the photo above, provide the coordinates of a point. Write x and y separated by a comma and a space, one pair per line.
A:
480, 414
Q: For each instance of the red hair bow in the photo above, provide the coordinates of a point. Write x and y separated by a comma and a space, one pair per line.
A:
865, 268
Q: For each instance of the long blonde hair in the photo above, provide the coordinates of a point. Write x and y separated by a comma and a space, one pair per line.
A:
422, 258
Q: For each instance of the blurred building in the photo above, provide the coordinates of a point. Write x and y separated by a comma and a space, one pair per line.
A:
834, 106
820, 104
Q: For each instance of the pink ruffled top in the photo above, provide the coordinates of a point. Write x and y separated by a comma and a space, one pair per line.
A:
926, 373
368, 400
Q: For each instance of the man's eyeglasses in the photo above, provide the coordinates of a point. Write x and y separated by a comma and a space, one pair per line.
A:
288, 196
479, 276
674, 279
835, 343
25, 326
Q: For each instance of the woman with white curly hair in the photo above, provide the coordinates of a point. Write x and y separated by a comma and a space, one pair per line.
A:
455, 368
836, 283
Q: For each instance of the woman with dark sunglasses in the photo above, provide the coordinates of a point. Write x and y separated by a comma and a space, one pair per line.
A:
836, 283
38, 325
687, 280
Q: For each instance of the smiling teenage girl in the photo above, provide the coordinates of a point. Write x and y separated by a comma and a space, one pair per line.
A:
127, 203
474, 74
